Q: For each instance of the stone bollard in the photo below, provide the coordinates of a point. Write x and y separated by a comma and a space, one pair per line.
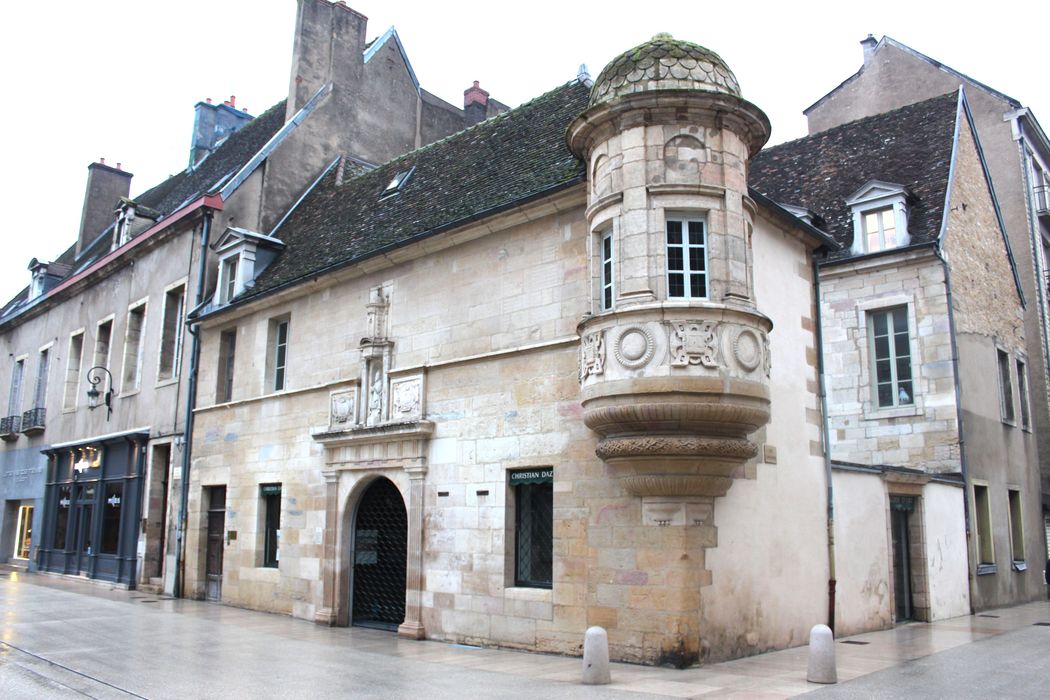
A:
596, 657
822, 656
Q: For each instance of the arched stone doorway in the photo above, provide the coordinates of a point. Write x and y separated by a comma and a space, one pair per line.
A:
379, 557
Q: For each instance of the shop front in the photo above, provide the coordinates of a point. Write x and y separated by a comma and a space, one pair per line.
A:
92, 508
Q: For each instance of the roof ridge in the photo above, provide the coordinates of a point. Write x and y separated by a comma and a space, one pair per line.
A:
871, 117
489, 123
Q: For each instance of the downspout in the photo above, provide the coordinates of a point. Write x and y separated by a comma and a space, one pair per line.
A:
191, 400
958, 411
825, 429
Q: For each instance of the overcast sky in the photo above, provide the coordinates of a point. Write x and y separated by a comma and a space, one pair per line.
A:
118, 79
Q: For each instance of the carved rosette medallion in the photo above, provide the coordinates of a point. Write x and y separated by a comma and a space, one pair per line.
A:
592, 354
694, 343
634, 347
748, 349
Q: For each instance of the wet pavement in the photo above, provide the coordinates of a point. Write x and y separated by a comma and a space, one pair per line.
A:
62, 638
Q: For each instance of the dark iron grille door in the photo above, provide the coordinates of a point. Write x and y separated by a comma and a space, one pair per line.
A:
380, 554
535, 534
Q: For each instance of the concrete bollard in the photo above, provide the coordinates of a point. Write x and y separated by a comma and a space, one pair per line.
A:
822, 656
596, 657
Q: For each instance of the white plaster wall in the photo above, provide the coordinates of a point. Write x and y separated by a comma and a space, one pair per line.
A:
862, 554
770, 568
945, 551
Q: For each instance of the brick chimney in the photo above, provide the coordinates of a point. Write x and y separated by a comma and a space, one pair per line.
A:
212, 124
105, 186
475, 104
328, 48
868, 44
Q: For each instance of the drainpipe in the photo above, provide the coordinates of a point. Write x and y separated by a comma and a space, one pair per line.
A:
191, 400
825, 429
958, 414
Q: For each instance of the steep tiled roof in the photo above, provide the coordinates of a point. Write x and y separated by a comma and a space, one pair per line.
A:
491, 166
911, 146
224, 161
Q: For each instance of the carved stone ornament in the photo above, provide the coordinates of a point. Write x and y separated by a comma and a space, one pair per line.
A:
635, 347
694, 343
592, 354
730, 448
747, 348
375, 397
342, 408
767, 357
407, 397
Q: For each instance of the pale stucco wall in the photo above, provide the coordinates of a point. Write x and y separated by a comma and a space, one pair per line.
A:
945, 539
760, 599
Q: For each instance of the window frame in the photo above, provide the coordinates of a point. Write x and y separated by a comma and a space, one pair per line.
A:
1016, 512
276, 360
43, 375
16, 391
71, 386
175, 328
1004, 368
270, 497
1022, 394
131, 370
877, 196
533, 500
685, 247
881, 214
984, 542
227, 357
606, 271
229, 272
893, 358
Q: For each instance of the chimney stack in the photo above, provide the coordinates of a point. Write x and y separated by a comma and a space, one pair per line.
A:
212, 124
105, 186
475, 104
868, 43
329, 48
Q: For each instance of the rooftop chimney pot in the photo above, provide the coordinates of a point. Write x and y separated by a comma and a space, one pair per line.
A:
102, 161
474, 95
868, 44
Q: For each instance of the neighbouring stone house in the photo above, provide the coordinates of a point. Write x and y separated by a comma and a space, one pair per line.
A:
929, 396
1017, 152
99, 493
562, 369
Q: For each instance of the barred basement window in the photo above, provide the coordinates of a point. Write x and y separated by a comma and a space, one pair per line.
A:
271, 513
533, 526
686, 259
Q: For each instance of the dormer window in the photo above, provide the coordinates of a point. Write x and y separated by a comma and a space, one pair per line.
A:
228, 278
243, 255
37, 283
880, 217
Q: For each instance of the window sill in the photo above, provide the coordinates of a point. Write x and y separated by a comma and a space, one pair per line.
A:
1019, 565
1011, 423
539, 595
872, 413
128, 394
166, 382
985, 569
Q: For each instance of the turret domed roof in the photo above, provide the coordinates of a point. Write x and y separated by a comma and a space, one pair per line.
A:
664, 63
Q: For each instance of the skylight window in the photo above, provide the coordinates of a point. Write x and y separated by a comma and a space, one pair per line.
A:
397, 183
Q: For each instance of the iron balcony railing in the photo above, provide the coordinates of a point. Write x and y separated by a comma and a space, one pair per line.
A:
33, 420
1042, 200
9, 427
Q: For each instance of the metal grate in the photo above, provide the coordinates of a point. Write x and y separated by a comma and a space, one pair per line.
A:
995, 616
853, 641
380, 554
535, 534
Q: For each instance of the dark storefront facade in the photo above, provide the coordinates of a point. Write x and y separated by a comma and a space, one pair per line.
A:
92, 508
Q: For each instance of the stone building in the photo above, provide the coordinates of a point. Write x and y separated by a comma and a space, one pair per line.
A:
927, 377
562, 369
99, 493
1017, 152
